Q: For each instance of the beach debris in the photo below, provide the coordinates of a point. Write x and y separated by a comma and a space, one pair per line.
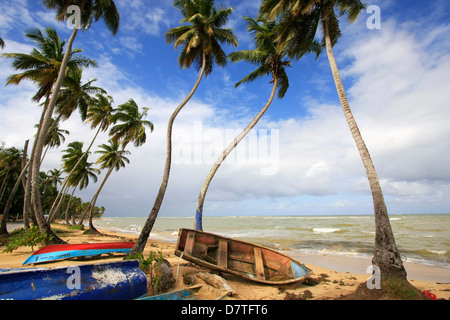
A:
305, 295
165, 275
217, 282
188, 279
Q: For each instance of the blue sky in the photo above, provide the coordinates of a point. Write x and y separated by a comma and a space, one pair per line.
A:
396, 79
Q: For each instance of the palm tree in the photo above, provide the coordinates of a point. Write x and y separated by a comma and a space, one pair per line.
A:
91, 10
2, 43
55, 137
201, 38
76, 95
270, 60
10, 163
83, 170
97, 110
42, 66
386, 255
112, 157
129, 124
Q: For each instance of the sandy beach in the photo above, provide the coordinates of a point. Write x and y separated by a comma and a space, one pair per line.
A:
335, 275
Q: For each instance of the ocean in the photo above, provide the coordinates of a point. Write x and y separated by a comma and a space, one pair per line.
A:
423, 239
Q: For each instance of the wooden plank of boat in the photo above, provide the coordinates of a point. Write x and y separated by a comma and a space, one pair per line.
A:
122, 280
68, 251
247, 260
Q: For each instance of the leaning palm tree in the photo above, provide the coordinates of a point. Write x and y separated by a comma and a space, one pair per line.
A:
112, 157
386, 255
98, 113
42, 67
90, 10
270, 60
55, 137
201, 38
10, 161
83, 170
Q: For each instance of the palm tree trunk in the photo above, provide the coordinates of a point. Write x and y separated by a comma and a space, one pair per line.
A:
386, 255
68, 204
44, 226
94, 198
3, 228
145, 233
226, 152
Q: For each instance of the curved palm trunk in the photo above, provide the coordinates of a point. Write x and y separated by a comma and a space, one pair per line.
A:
226, 152
386, 255
44, 226
145, 233
94, 199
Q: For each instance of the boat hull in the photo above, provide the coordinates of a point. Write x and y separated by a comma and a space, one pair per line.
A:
121, 280
69, 251
247, 260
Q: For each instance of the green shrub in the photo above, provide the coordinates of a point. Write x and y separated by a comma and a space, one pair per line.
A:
31, 238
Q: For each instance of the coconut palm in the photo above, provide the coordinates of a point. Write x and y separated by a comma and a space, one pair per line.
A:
386, 255
91, 10
112, 157
83, 170
98, 113
55, 136
270, 60
201, 38
42, 67
76, 95
10, 165
129, 124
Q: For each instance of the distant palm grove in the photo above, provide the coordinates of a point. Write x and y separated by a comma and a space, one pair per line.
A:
283, 32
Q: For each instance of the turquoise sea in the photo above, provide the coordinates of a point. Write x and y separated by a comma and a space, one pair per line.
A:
421, 239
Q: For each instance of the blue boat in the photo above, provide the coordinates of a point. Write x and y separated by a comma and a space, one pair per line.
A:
184, 294
122, 280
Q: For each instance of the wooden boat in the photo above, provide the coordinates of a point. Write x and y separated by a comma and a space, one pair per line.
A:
247, 260
68, 251
121, 280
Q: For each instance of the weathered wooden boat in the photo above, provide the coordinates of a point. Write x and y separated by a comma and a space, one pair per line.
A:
68, 251
247, 260
121, 280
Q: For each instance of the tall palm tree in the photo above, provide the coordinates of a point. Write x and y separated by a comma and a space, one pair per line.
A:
83, 170
112, 157
97, 110
270, 60
76, 95
129, 124
91, 10
201, 38
386, 255
10, 162
55, 136
42, 67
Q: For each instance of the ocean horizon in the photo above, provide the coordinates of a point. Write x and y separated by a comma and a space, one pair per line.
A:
420, 238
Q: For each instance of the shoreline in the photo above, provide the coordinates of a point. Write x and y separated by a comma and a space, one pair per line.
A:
342, 274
